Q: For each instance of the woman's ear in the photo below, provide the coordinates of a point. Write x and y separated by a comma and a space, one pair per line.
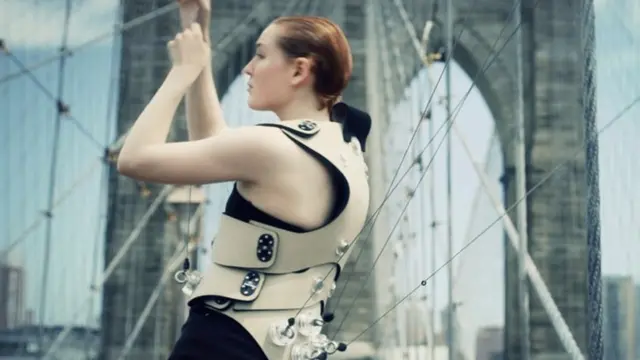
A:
301, 71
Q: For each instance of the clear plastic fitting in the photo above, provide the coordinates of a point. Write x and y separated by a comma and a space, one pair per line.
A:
190, 279
317, 285
332, 290
282, 334
308, 325
342, 248
320, 341
305, 351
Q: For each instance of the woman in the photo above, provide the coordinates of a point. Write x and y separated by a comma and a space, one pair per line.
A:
301, 193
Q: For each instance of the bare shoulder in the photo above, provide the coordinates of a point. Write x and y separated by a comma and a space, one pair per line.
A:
247, 154
260, 141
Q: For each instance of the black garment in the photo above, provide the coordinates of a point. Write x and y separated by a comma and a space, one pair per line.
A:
210, 335
242, 209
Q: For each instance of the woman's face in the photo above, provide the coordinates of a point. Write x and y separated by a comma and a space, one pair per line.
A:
270, 73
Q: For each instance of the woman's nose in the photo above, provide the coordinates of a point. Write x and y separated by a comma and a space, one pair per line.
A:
247, 70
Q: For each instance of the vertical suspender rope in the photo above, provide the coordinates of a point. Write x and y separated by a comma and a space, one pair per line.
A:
52, 182
518, 147
538, 284
152, 208
451, 335
594, 285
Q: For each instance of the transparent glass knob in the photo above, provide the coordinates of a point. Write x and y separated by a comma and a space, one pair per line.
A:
317, 285
342, 249
331, 347
281, 334
307, 325
332, 290
319, 341
191, 281
304, 351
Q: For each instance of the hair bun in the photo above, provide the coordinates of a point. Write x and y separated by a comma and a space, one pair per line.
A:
355, 122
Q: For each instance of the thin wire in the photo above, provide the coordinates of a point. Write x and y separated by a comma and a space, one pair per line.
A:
53, 171
61, 106
115, 261
117, 29
187, 265
43, 215
488, 62
104, 182
110, 268
374, 216
153, 298
513, 206
111, 148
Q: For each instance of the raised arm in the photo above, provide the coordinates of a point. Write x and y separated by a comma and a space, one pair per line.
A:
247, 154
203, 110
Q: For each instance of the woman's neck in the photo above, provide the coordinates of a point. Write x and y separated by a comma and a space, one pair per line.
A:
297, 112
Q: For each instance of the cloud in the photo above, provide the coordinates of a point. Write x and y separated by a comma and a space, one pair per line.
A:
28, 23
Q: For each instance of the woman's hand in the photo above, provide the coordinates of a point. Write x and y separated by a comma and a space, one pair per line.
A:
189, 52
192, 11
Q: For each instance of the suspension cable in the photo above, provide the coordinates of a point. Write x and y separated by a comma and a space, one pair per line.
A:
426, 32
476, 200
61, 106
531, 270
52, 184
62, 197
388, 99
575, 356
488, 62
110, 153
172, 264
117, 258
595, 311
117, 29
104, 182
136, 231
546, 298
153, 298
376, 213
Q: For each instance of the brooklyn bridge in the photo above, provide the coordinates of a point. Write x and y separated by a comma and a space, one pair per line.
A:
504, 201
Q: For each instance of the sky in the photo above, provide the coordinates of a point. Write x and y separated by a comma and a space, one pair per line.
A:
77, 248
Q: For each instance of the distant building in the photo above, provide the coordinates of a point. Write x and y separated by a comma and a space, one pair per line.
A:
456, 326
11, 296
620, 319
490, 343
416, 324
22, 343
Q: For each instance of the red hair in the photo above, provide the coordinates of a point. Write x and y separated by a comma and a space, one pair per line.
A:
324, 42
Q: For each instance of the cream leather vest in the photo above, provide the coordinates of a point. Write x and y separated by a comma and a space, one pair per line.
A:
258, 271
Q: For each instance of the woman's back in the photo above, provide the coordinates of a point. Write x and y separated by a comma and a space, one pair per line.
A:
301, 193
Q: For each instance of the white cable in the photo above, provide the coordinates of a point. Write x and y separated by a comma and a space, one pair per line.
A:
217, 49
394, 47
133, 236
36, 223
538, 284
412, 31
557, 320
174, 262
469, 234
118, 28
112, 266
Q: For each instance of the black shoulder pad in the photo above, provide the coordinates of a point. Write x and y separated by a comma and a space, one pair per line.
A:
301, 128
